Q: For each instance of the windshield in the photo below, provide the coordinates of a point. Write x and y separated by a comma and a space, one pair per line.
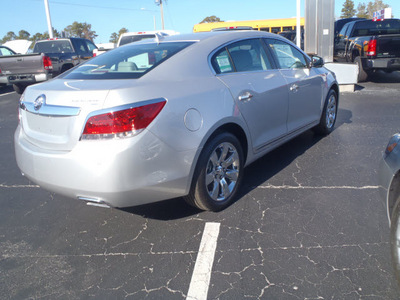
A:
131, 61
56, 46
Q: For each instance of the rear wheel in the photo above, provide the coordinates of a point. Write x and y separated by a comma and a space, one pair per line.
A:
19, 88
218, 174
395, 238
329, 114
362, 74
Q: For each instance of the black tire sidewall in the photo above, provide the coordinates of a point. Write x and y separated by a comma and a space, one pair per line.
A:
202, 198
322, 127
394, 227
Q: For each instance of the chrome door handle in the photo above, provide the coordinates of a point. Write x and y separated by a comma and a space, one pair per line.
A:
245, 96
294, 88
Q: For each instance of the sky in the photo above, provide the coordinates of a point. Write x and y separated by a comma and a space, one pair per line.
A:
107, 16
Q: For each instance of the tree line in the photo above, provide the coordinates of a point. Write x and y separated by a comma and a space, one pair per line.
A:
76, 29
364, 10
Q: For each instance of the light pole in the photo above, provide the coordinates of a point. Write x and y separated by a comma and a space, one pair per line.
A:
46, 5
159, 2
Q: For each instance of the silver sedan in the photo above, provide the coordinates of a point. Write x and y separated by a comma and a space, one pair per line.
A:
389, 179
171, 117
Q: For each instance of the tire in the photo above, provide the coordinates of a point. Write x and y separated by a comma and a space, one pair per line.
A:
218, 174
395, 239
19, 88
329, 114
362, 74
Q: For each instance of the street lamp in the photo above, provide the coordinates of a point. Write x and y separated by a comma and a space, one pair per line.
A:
159, 3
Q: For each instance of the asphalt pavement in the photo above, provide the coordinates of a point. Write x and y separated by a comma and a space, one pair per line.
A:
309, 224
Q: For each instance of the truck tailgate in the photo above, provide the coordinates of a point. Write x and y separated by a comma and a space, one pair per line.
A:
388, 45
22, 64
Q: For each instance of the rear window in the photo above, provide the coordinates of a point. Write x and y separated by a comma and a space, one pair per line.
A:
56, 46
131, 61
135, 38
366, 28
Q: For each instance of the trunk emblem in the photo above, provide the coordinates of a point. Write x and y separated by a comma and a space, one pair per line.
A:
37, 104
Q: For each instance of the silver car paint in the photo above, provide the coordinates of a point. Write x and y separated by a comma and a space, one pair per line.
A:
158, 163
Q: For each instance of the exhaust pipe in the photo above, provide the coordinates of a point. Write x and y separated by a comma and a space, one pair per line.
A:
94, 202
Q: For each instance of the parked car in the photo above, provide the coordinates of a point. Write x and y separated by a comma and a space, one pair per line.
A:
130, 37
372, 45
4, 51
389, 178
112, 133
49, 59
291, 35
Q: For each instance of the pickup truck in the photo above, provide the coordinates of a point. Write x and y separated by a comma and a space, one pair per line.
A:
372, 45
49, 59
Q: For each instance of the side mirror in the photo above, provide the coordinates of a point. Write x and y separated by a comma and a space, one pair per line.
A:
317, 62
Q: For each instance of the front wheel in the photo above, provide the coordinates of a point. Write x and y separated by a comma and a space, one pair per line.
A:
218, 174
19, 88
329, 114
395, 239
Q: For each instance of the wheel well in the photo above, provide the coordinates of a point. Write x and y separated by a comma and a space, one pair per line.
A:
238, 132
394, 193
66, 67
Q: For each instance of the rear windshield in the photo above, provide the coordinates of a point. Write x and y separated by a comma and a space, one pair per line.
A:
59, 46
135, 38
130, 61
366, 28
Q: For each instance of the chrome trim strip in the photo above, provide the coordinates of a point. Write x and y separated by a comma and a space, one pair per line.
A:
50, 110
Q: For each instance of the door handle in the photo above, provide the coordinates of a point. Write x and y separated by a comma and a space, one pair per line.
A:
294, 88
246, 96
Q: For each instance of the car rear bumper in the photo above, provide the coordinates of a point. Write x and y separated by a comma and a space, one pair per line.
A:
28, 78
119, 173
383, 63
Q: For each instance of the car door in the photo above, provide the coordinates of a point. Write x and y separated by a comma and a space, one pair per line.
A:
304, 85
258, 88
339, 49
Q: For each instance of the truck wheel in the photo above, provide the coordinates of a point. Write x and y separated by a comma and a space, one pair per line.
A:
362, 74
19, 88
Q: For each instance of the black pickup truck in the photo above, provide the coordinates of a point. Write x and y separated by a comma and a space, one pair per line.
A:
49, 59
372, 45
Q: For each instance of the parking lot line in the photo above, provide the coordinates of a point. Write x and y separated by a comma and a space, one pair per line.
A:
199, 284
7, 94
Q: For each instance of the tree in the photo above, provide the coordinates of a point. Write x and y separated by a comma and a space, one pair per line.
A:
211, 19
115, 36
8, 37
362, 11
367, 10
43, 36
82, 30
23, 35
348, 10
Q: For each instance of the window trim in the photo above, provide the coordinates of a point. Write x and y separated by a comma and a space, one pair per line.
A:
276, 60
225, 47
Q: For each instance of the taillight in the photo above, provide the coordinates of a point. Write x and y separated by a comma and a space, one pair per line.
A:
47, 63
122, 123
371, 51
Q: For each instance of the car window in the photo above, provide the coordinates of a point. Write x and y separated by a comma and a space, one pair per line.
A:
135, 38
130, 61
288, 57
90, 46
81, 47
55, 46
5, 51
243, 56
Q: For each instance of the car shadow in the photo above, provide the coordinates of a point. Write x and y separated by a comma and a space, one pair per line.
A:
383, 77
255, 175
6, 89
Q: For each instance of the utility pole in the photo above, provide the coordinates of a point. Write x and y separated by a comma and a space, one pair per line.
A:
49, 26
159, 2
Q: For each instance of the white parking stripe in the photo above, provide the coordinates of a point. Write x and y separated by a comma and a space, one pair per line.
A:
7, 94
198, 288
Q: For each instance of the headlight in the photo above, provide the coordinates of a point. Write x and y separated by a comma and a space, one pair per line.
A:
393, 142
